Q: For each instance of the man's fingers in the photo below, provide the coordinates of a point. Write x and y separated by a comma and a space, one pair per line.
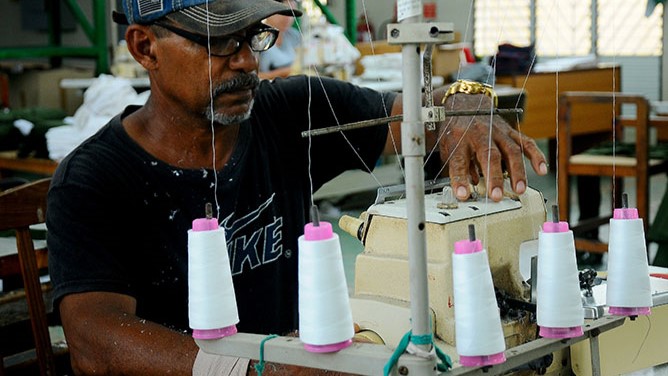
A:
512, 152
467, 147
490, 162
458, 168
531, 150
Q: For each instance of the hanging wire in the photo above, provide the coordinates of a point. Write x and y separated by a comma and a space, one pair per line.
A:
212, 115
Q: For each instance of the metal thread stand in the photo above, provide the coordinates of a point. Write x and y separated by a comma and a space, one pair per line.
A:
413, 151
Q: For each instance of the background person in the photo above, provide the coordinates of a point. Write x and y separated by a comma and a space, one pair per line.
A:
279, 60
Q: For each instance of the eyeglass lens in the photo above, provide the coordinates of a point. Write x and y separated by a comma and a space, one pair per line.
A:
259, 40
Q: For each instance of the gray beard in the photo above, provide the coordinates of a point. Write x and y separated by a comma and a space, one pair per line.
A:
241, 81
224, 119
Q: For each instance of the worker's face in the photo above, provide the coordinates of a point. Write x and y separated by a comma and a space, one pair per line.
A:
221, 88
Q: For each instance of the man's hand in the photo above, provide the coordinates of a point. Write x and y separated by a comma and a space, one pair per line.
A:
466, 147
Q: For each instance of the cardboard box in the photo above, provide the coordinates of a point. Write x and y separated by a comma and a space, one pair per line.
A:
445, 60
41, 88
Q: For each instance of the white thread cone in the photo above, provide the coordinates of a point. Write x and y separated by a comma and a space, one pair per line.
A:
325, 319
478, 332
559, 310
628, 286
212, 304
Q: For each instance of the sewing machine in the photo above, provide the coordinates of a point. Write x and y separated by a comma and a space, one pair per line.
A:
381, 271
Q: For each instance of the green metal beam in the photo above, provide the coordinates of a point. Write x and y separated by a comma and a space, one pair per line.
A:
350, 29
351, 21
96, 34
81, 18
46, 51
328, 14
100, 19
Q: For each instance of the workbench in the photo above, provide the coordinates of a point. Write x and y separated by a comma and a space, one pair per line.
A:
10, 162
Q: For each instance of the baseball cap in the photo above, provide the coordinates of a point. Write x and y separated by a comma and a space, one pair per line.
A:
206, 17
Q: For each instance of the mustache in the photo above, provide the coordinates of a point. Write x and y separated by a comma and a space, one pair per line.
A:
242, 81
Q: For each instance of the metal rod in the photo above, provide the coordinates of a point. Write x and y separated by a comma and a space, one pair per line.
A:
315, 215
413, 150
389, 119
625, 200
594, 350
555, 213
428, 88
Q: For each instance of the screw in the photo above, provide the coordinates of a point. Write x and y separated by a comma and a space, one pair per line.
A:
403, 370
394, 33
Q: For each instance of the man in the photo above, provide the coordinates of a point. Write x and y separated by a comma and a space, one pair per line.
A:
121, 203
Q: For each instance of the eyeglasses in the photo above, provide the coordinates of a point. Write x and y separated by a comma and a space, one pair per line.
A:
260, 39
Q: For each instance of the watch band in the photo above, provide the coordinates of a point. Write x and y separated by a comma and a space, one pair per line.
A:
471, 87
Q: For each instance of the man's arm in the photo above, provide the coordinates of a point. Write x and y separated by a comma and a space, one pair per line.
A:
105, 337
464, 143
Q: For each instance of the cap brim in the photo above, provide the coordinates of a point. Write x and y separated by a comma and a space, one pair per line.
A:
119, 18
225, 17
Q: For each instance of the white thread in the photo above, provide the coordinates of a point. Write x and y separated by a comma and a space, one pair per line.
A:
212, 303
478, 328
628, 282
417, 351
324, 308
212, 113
559, 301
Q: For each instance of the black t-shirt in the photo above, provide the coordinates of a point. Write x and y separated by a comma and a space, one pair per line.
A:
118, 217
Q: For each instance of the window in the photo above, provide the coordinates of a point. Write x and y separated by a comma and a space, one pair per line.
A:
498, 22
623, 29
569, 27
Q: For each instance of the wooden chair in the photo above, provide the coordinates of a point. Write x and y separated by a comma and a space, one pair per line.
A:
639, 166
20, 208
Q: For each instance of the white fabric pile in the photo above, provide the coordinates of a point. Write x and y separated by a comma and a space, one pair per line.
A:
383, 67
326, 44
104, 99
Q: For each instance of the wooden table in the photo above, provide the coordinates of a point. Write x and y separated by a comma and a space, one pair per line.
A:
540, 113
10, 162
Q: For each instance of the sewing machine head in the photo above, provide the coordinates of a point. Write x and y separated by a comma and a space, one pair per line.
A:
382, 271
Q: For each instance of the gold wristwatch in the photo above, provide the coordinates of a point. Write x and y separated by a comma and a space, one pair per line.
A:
471, 87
